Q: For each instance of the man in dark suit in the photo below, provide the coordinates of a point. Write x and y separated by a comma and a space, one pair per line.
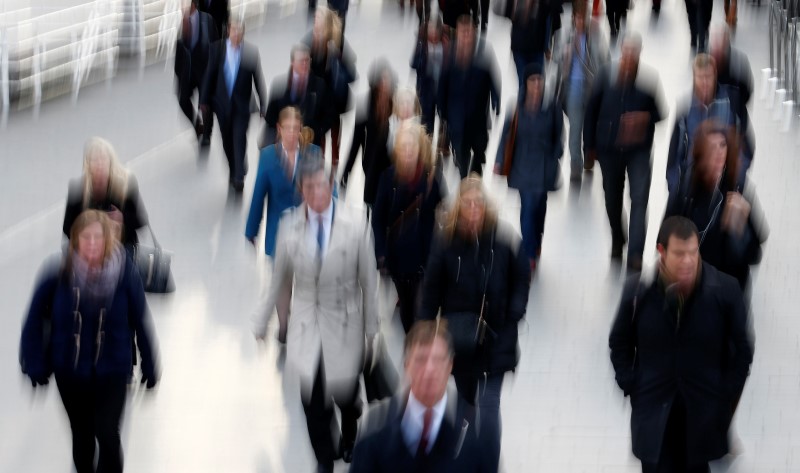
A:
234, 68
301, 89
681, 349
467, 89
421, 430
191, 62
219, 11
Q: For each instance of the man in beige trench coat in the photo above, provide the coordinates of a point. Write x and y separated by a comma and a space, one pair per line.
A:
326, 249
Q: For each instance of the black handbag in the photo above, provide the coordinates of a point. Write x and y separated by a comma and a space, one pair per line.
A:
467, 331
153, 264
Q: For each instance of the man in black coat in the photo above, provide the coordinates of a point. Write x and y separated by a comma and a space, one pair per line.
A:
421, 430
191, 62
618, 129
304, 90
467, 89
682, 350
234, 68
733, 67
219, 11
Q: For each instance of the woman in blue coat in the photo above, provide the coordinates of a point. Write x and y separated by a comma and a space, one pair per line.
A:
82, 319
533, 139
275, 181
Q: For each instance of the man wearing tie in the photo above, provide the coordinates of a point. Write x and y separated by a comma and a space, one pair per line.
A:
191, 62
421, 430
326, 249
234, 68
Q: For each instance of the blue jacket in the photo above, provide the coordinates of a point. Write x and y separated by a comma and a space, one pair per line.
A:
281, 193
104, 346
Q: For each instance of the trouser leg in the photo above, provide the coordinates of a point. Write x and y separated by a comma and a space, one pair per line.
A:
613, 187
639, 176
109, 400
319, 413
575, 115
239, 132
77, 402
408, 294
490, 425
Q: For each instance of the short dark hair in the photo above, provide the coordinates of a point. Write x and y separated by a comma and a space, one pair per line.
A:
311, 164
677, 226
299, 48
424, 332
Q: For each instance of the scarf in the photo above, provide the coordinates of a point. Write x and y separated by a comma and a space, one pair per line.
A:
99, 283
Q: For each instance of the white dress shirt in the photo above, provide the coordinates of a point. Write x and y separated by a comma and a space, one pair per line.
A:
413, 422
313, 227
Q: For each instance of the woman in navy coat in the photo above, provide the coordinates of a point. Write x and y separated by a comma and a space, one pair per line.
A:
80, 324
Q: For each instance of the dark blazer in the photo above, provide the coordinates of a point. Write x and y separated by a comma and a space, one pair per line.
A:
403, 219
337, 70
219, 11
214, 91
191, 64
382, 449
455, 278
466, 94
370, 136
52, 311
315, 106
134, 215
610, 100
704, 355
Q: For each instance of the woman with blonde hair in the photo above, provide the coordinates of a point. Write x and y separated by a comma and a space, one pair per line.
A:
107, 186
82, 319
478, 279
404, 216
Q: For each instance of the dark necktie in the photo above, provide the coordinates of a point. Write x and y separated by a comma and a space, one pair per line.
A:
426, 431
320, 236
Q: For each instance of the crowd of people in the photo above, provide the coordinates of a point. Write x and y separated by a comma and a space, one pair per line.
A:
462, 275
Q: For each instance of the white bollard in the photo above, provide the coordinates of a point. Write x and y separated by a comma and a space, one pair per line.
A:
788, 114
766, 74
780, 97
773, 86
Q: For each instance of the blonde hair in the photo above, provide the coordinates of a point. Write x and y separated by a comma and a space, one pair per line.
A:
86, 218
417, 131
293, 113
451, 219
406, 96
98, 148
333, 25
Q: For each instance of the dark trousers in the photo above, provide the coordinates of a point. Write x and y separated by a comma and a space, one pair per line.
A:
470, 150
533, 209
94, 408
234, 141
639, 170
321, 420
673, 449
185, 94
481, 396
409, 296
698, 12
484, 14
615, 14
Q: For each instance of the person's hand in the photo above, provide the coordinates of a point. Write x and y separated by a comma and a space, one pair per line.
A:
251, 240
548, 55
736, 213
371, 349
498, 169
149, 380
39, 380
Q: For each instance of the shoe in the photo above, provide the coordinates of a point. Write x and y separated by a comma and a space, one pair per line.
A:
238, 187
616, 250
205, 142
588, 163
324, 468
575, 175
347, 453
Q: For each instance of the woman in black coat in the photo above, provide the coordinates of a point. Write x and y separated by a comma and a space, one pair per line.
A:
404, 215
106, 186
732, 229
475, 267
80, 325
371, 132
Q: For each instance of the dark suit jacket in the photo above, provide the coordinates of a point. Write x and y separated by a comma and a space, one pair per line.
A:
191, 64
703, 355
215, 92
219, 11
314, 104
382, 449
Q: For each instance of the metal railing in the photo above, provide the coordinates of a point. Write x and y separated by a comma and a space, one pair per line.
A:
784, 41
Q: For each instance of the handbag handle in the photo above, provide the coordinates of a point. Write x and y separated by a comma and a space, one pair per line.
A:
156, 245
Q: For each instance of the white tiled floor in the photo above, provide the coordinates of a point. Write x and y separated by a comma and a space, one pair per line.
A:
226, 404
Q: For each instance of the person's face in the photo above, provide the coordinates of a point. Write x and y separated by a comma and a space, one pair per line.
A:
92, 243
680, 261
235, 34
629, 61
407, 152
535, 87
427, 368
472, 210
317, 192
433, 33
580, 23
99, 170
465, 37
705, 83
711, 167
319, 31
301, 63
405, 109
290, 132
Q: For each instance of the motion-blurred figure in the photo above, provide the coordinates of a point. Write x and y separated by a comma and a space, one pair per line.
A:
326, 249
619, 127
106, 186
299, 88
682, 351
431, 56
191, 62
467, 90
529, 154
698, 12
476, 268
423, 428
82, 320
733, 228
530, 34
733, 67
234, 68
404, 216
219, 11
